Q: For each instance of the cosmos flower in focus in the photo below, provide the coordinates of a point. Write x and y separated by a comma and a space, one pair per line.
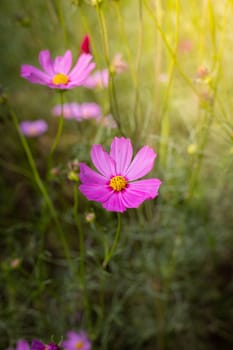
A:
58, 74
114, 184
76, 341
85, 45
88, 110
33, 128
99, 79
38, 345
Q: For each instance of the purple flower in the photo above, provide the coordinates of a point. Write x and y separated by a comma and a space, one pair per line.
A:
115, 186
98, 79
33, 128
76, 341
77, 111
57, 74
38, 345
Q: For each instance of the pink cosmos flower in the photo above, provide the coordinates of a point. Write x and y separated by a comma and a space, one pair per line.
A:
76, 341
89, 110
33, 128
21, 345
38, 345
115, 186
85, 45
98, 79
58, 74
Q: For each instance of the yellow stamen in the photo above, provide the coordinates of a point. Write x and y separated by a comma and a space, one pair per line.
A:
79, 345
60, 79
118, 183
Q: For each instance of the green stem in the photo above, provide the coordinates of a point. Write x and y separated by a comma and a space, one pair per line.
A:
82, 270
111, 87
165, 123
58, 134
109, 254
40, 184
62, 21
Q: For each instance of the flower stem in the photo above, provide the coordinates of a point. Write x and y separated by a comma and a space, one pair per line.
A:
61, 19
82, 270
59, 132
111, 86
40, 184
109, 254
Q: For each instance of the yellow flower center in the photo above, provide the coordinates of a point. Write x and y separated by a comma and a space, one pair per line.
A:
60, 79
118, 183
79, 345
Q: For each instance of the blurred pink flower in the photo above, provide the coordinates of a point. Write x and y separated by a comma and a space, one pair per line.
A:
118, 65
57, 74
33, 128
22, 345
115, 186
185, 46
38, 345
98, 79
85, 44
76, 341
107, 121
88, 110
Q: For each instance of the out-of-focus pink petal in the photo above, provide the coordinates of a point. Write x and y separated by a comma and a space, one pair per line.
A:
141, 164
34, 75
96, 192
22, 345
102, 161
89, 176
115, 203
82, 65
121, 151
46, 62
37, 345
139, 191
62, 64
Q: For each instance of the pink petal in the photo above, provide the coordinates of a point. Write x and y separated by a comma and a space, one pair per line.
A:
102, 161
89, 176
82, 68
115, 203
46, 62
62, 64
22, 345
121, 151
34, 75
96, 192
142, 163
139, 191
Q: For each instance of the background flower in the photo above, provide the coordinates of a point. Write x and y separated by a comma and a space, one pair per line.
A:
85, 45
57, 74
33, 128
76, 341
88, 110
115, 186
98, 79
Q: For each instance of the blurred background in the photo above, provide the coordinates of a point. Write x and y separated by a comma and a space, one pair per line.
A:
170, 283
